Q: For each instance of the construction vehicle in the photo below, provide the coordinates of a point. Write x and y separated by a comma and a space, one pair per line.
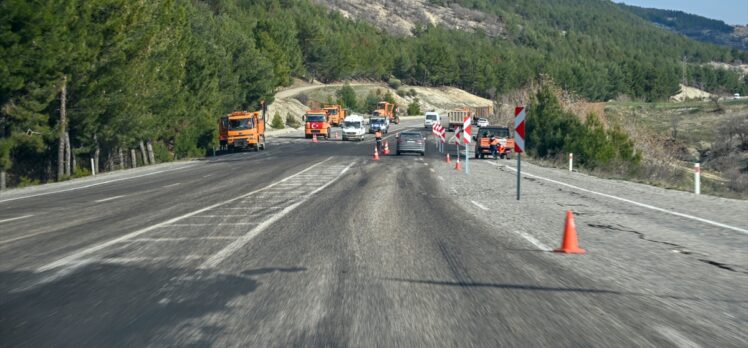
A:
335, 114
482, 112
246, 130
386, 110
483, 141
223, 133
457, 117
315, 123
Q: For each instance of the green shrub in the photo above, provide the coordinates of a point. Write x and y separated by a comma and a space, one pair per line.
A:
394, 83
292, 122
414, 108
277, 121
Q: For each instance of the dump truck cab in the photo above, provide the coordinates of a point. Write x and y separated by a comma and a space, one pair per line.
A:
386, 110
483, 141
223, 133
315, 123
245, 130
335, 114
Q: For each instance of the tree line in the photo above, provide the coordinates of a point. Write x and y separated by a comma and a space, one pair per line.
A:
145, 81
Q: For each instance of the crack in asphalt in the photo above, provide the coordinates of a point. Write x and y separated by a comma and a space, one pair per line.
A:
676, 247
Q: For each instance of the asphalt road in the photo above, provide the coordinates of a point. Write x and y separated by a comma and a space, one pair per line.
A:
319, 245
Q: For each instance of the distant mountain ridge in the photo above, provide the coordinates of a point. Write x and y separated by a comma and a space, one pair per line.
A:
694, 26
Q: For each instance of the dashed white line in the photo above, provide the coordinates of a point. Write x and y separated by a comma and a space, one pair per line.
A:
441, 178
167, 239
16, 218
479, 205
171, 185
215, 224
651, 207
108, 199
534, 241
72, 258
216, 259
432, 170
677, 338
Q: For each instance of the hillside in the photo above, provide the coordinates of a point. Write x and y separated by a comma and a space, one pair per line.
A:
694, 26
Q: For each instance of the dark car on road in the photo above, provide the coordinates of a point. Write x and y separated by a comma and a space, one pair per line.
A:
413, 142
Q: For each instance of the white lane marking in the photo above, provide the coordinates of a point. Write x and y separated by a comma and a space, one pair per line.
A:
87, 251
16, 218
70, 269
169, 239
432, 170
109, 199
677, 338
534, 241
243, 240
174, 184
215, 224
209, 175
94, 184
221, 216
643, 205
479, 205
441, 178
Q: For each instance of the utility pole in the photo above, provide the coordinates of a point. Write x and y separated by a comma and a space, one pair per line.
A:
62, 131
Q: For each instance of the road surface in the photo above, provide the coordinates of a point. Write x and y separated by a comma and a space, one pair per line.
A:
319, 245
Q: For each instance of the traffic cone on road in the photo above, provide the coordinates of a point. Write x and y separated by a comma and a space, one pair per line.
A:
570, 244
376, 154
457, 165
314, 138
386, 148
448, 160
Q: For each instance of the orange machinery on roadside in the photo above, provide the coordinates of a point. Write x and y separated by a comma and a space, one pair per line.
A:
315, 122
335, 114
241, 130
386, 110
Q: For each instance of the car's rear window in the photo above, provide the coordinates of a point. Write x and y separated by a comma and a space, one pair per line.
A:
410, 136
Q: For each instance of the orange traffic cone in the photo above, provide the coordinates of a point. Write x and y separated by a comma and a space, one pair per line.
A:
570, 244
448, 160
386, 148
376, 154
314, 138
457, 165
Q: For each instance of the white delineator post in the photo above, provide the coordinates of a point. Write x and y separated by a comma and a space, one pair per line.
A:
93, 168
697, 178
571, 161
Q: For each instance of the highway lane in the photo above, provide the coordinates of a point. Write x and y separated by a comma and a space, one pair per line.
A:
350, 252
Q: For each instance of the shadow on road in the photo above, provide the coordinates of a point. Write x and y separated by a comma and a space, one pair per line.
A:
111, 305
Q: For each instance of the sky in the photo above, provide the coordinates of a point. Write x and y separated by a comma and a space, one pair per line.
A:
734, 12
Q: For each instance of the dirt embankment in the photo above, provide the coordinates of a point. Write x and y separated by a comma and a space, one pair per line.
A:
439, 99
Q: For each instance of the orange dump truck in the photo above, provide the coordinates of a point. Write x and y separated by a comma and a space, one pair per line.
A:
335, 114
482, 112
246, 130
483, 142
386, 110
315, 122
223, 133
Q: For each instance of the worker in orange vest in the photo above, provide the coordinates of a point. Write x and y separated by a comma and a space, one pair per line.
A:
378, 136
494, 144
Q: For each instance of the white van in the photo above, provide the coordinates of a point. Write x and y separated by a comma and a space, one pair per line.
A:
353, 127
430, 119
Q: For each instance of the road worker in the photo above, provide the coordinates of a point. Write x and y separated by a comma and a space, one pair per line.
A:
378, 136
493, 145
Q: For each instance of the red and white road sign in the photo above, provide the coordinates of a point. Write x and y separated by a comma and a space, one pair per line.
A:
467, 131
439, 131
519, 129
